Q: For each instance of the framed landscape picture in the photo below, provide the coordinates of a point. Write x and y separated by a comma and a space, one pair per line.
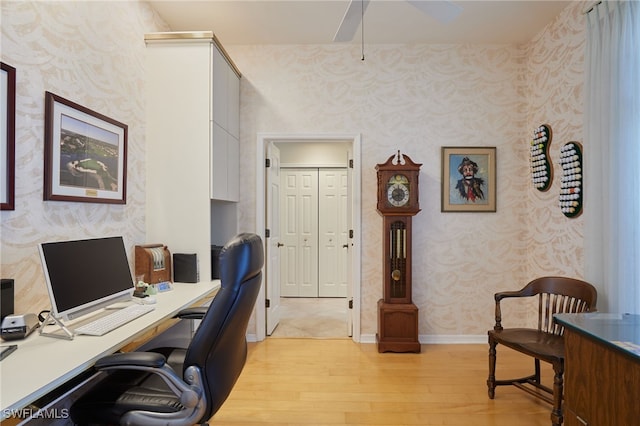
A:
468, 179
7, 136
85, 154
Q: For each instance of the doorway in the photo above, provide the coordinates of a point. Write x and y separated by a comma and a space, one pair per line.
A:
266, 312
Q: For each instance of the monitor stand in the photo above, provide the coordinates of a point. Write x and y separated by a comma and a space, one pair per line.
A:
52, 320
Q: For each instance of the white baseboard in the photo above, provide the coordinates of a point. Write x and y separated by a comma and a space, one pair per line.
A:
425, 339
431, 339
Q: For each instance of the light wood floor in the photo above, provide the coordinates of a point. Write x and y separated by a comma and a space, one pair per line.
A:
339, 382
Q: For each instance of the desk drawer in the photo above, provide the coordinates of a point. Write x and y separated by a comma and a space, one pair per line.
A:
53, 409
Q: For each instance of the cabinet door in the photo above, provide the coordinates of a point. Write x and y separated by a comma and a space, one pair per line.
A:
218, 163
225, 165
233, 103
226, 95
220, 89
233, 168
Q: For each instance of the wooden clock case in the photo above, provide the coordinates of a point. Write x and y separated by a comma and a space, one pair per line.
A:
397, 315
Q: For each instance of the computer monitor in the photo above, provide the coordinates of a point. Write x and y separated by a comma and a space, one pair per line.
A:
85, 275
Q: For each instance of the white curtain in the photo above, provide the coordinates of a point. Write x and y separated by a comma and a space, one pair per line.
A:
612, 155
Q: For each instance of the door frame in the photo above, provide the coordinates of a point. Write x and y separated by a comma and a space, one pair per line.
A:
355, 250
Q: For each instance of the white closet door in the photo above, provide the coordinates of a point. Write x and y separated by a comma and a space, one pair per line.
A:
333, 233
299, 232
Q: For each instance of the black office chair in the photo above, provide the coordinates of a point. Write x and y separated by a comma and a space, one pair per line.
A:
178, 386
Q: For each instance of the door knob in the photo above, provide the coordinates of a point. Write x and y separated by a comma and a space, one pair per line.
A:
279, 244
345, 246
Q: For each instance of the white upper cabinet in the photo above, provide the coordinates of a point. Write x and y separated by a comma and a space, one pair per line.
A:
225, 129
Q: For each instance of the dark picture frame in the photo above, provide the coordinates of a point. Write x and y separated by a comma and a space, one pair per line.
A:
7, 137
468, 179
85, 157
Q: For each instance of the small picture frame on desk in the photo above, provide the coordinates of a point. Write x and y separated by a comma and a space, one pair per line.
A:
85, 154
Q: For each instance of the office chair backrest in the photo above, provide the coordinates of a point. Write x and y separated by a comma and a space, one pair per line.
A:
219, 346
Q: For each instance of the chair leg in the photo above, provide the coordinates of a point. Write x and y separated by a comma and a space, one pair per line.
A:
558, 385
491, 381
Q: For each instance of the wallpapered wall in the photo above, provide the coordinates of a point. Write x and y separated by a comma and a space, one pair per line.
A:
419, 99
413, 98
555, 96
90, 53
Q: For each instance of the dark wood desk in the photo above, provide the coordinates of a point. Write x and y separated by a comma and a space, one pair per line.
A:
602, 369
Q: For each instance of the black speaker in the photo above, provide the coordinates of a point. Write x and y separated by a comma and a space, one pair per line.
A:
215, 262
185, 268
6, 297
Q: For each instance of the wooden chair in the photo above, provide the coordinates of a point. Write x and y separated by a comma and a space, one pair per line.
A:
555, 295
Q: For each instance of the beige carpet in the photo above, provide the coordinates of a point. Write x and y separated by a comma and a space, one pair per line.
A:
312, 318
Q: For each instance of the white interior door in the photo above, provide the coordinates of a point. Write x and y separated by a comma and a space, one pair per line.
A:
274, 245
299, 229
333, 232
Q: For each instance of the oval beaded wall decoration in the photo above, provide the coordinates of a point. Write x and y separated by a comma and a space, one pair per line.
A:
541, 168
571, 190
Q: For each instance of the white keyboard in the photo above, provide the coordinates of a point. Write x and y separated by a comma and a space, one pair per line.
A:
114, 320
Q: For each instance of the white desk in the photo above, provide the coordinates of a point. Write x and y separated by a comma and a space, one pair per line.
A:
41, 363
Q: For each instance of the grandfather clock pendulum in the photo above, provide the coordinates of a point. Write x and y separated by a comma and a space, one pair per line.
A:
397, 203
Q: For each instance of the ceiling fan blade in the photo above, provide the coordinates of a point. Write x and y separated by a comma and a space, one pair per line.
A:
444, 11
351, 20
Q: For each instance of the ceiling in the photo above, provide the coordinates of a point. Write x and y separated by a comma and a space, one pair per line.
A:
385, 21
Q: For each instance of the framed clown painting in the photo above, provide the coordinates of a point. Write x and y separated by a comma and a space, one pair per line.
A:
468, 179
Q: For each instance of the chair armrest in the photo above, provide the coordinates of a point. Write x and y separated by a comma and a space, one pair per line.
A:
128, 359
190, 393
503, 295
197, 312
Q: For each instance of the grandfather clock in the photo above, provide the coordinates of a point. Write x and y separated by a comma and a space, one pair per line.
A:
397, 203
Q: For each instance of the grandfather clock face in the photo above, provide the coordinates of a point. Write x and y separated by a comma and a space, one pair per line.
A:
398, 186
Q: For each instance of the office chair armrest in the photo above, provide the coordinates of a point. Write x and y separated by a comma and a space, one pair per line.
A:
192, 313
140, 359
190, 392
